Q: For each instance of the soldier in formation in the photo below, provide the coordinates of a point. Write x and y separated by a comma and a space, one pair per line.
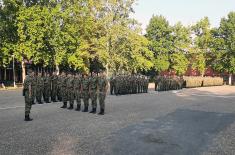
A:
84, 88
164, 83
28, 94
66, 88
128, 84
39, 88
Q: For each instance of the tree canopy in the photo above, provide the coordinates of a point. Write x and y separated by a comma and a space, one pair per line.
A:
88, 35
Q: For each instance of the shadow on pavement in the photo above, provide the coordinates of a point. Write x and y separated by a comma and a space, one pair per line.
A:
182, 132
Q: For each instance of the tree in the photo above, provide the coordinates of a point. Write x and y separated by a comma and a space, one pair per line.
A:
201, 52
8, 30
159, 34
227, 37
181, 45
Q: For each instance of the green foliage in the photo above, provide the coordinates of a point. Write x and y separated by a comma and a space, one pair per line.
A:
8, 29
82, 33
200, 53
181, 44
227, 37
159, 33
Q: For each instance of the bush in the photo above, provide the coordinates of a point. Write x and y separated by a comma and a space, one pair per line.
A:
192, 82
212, 81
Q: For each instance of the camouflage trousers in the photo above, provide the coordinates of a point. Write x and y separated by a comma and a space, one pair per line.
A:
78, 97
93, 96
102, 96
53, 93
39, 94
34, 88
59, 94
85, 98
64, 95
46, 94
71, 97
28, 103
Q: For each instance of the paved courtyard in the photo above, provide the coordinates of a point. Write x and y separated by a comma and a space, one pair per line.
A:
199, 121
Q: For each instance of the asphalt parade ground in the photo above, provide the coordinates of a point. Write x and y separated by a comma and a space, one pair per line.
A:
199, 121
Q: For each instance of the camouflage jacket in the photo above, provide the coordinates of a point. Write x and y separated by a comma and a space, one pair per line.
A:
85, 84
93, 83
102, 84
39, 81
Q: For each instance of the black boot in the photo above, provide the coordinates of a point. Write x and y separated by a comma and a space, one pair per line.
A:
40, 102
93, 111
70, 107
27, 118
78, 108
101, 112
64, 105
85, 109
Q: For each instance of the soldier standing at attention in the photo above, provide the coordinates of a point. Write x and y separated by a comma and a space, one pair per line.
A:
64, 92
39, 88
77, 87
34, 86
54, 79
47, 88
111, 85
103, 87
70, 89
27, 93
59, 87
85, 92
93, 91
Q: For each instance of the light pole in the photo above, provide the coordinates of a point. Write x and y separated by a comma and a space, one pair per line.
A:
13, 66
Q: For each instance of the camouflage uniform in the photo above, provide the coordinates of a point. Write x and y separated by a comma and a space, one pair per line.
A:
34, 88
47, 89
70, 91
85, 93
54, 86
102, 85
27, 93
64, 91
59, 87
111, 85
77, 87
39, 89
93, 91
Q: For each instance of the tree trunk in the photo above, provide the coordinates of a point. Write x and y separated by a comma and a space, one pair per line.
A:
57, 69
23, 70
230, 79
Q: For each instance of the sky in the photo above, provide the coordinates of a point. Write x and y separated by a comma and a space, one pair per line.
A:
186, 11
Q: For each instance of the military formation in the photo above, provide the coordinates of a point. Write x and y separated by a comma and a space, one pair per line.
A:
128, 84
166, 83
66, 88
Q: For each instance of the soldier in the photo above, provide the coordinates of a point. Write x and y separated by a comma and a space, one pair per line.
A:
85, 91
34, 87
78, 92
27, 93
93, 91
47, 88
111, 85
103, 87
70, 89
64, 92
39, 88
59, 87
54, 86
